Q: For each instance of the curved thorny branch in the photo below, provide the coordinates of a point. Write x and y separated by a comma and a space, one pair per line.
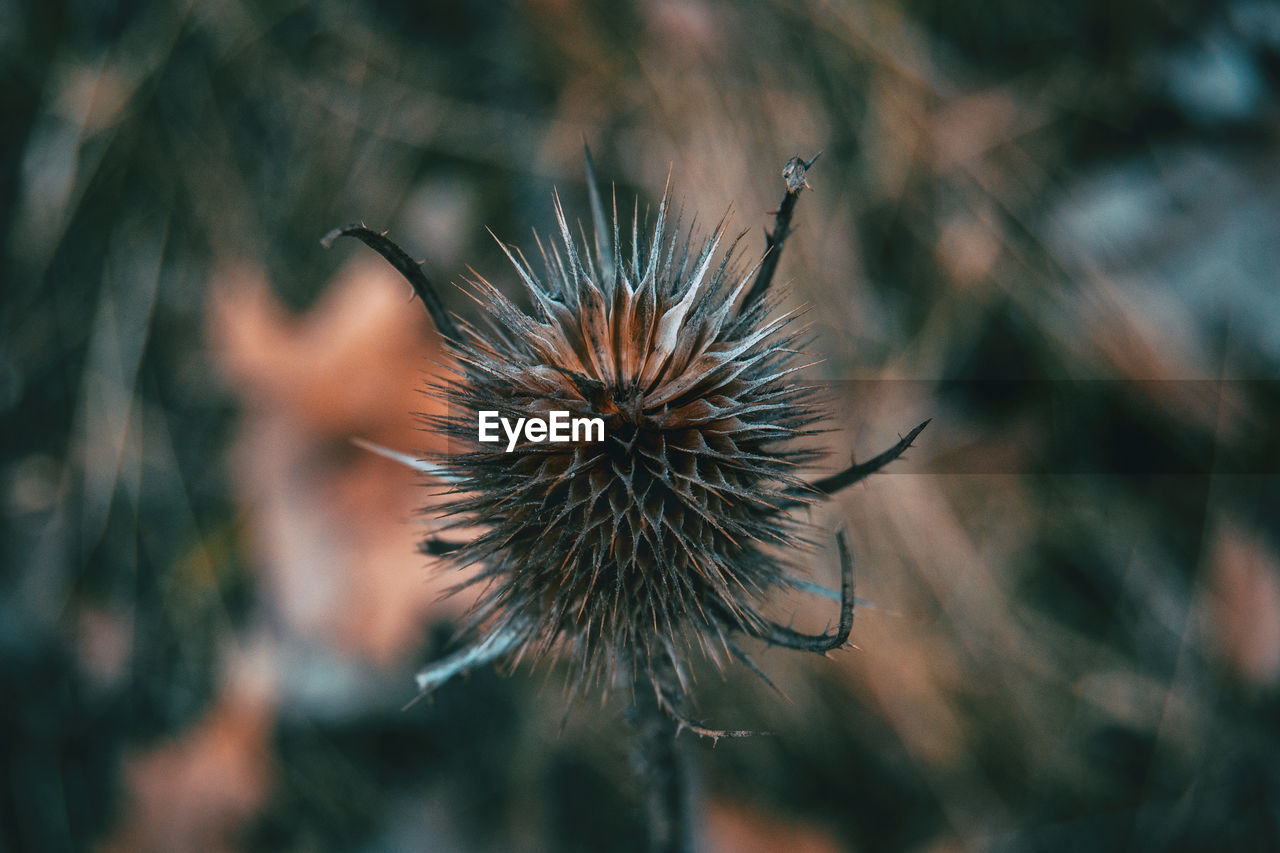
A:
780, 635
828, 486
407, 267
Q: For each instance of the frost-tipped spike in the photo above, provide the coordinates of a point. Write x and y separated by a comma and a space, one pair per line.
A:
605, 253
655, 249
618, 279
475, 656
570, 246
834, 595
405, 459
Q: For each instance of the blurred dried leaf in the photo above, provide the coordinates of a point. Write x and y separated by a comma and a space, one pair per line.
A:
732, 828
329, 524
1244, 609
197, 791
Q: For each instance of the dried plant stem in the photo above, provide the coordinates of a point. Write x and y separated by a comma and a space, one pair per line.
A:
795, 174
660, 760
407, 267
828, 486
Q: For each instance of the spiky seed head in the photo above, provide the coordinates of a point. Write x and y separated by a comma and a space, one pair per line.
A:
655, 542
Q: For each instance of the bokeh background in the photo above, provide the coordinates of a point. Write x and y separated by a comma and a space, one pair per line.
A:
1053, 227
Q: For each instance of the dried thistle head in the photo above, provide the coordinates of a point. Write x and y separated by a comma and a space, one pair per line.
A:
649, 543
664, 539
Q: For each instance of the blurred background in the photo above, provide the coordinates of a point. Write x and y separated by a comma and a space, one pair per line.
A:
1053, 227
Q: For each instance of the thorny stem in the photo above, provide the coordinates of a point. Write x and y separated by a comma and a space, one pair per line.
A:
657, 722
407, 267
780, 635
795, 174
828, 486
660, 760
